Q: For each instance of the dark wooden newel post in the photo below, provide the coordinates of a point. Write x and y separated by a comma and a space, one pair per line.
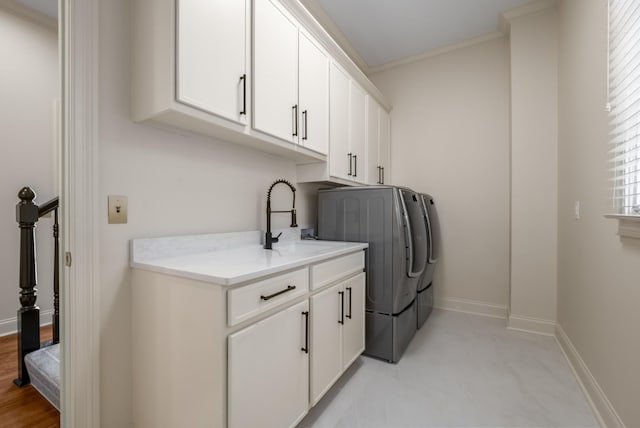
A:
29, 314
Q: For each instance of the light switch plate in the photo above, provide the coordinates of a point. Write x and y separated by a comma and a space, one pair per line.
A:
118, 207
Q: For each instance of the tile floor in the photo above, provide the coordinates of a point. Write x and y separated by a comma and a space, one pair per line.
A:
460, 371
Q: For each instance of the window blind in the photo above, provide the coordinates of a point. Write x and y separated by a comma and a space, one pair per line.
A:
624, 99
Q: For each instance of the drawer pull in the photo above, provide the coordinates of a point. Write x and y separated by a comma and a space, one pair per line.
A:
271, 296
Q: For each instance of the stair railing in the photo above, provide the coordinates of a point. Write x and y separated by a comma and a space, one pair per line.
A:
27, 215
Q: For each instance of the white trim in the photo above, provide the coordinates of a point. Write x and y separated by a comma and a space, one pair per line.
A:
628, 225
600, 404
531, 325
435, 52
80, 400
474, 307
10, 325
334, 31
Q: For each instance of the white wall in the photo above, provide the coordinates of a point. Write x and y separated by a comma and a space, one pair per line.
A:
177, 183
598, 272
29, 85
450, 138
534, 173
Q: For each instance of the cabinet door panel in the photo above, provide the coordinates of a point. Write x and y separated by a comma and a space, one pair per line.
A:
354, 319
357, 122
275, 71
211, 55
314, 96
264, 358
384, 149
374, 175
326, 341
339, 123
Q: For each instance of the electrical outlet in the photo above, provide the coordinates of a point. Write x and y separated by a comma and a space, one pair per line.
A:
117, 209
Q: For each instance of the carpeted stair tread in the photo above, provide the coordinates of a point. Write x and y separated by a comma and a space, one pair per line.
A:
43, 366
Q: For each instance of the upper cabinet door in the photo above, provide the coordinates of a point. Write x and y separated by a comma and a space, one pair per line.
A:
314, 96
340, 164
275, 71
211, 56
384, 147
357, 133
374, 173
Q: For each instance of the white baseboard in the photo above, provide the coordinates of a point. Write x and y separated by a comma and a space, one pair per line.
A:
10, 325
531, 325
600, 404
471, 307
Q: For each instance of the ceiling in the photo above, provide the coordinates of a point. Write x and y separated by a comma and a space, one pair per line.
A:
385, 31
45, 7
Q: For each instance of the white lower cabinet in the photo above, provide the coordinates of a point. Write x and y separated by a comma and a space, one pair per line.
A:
259, 354
326, 340
337, 332
268, 371
353, 330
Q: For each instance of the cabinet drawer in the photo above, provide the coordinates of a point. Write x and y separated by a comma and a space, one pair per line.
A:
333, 270
253, 299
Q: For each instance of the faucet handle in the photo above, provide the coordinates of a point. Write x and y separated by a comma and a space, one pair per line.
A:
275, 238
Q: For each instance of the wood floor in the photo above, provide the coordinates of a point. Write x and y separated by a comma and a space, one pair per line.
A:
22, 407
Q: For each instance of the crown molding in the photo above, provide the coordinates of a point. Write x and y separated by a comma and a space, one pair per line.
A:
534, 7
25, 12
338, 36
437, 51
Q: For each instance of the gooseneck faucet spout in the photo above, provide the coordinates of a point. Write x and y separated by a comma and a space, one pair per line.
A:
269, 239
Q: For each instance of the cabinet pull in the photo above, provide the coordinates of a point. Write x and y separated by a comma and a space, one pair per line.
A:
341, 293
295, 120
305, 349
355, 165
243, 78
379, 174
382, 168
271, 296
306, 127
350, 292
350, 163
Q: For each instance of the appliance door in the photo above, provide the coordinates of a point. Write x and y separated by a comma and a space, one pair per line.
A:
416, 232
433, 225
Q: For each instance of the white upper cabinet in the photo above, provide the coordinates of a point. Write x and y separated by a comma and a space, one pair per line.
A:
357, 132
384, 148
291, 79
211, 63
275, 65
378, 143
313, 95
340, 158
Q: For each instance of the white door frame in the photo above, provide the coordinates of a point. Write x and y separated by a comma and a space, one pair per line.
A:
80, 312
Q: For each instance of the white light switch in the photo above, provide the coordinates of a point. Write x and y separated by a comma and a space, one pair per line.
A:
576, 209
117, 209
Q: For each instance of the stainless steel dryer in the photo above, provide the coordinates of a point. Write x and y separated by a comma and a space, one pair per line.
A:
425, 286
390, 219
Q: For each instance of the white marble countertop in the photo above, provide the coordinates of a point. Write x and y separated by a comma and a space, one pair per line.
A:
229, 259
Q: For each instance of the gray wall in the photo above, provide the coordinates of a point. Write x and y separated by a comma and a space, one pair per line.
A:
598, 272
29, 85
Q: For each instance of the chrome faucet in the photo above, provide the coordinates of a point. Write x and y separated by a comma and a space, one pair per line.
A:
269, 239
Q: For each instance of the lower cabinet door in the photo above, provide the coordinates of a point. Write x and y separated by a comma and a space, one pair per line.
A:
268, 371
354, 319
326, 340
